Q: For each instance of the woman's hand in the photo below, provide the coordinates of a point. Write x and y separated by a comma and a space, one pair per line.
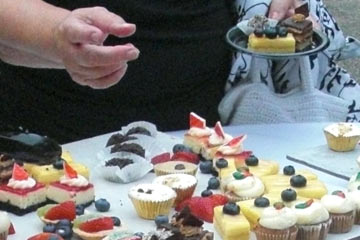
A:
78, 42
281, 9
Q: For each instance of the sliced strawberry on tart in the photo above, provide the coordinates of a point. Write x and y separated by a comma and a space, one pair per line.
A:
45, 236
22, 194
71, 186
197, 136
52, 213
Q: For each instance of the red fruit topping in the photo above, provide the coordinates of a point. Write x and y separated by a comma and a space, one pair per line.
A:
339, 193
19, 173
236, 141
164, 157
186, 157
45, 236
11, 229
97, 225
69, 171
65, 210
218, 199
219, 130
196, 121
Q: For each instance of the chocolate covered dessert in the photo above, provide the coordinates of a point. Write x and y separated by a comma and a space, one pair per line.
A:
118, 138
129, 147
120, 162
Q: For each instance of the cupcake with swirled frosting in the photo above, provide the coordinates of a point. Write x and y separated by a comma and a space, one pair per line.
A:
355, 197
341, 209
313, 220
277, 222
342, 137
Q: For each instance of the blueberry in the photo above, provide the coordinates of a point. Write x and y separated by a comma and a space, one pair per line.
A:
282, 31
298, 181
259, 32
206, 167
206, 193
59, 164
102, 205
261, 202
288, 195
139, 235
116, 221
214, 172
221, 163
252, 161
179, 166
64, 231
289, 170
231, 208
49, 228
213, 183
80, 209
64, 222
54, 237
270, 32
180, 148
161, 219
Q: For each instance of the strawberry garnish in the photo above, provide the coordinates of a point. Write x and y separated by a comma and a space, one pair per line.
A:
219, 130
19, 173
97, 225
65, 210
218, 199
69, 171
339, 193
197, 121
236, 141
46, 236
164, 157
11, 229
186, 157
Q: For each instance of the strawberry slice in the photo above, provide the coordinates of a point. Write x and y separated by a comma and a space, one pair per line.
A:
97, 225
219, 130
46, 236
65, 210
11, 229
186, 157
69, 171
19, 173
236, 141
164, 157
197, 121
218, 199
203, 209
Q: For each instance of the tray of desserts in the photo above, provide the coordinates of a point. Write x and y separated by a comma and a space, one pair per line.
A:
268, 38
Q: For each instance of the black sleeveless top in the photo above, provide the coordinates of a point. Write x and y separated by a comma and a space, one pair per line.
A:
182, 67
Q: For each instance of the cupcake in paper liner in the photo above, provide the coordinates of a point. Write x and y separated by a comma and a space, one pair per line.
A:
119, 138
342, 137
151, 200
355, 197
140, 127
4, 225
313, 220
183, 184
342, 211
172, 167
124, 168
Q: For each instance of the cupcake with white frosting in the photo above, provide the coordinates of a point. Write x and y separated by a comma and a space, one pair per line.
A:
183, 184
313, 220
355, 197
354, 182
4, 225
342, 137
151, 200
242, 185
277, 222
341, 209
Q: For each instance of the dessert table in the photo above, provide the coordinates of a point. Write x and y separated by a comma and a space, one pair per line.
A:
270, 141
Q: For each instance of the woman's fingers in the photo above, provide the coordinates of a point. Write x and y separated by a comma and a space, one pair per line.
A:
279, 8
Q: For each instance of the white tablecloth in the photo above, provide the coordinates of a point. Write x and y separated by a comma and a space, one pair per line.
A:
266, 141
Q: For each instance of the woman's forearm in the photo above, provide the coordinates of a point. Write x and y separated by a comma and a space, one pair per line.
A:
27, 29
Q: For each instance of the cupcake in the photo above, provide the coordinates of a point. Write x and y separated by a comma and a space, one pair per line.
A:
313, 220
4, 225
151, 200
183, 184
342, 137
277, 222
243, 186
341, 210
355, 197
175, 167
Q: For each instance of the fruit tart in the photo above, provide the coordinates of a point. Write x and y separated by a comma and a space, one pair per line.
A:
71, 186
53, 213
22, 194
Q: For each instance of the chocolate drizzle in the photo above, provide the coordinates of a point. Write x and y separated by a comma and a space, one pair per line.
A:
120, 162
138, 130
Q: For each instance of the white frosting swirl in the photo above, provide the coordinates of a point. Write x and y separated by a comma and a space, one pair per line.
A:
354, 196
21, 184
176, 181
353, 183
313, 214
247, 187
216, 140
343, 129
4, 222
281, 219
79, 181
152, 192
337, 204
199, 132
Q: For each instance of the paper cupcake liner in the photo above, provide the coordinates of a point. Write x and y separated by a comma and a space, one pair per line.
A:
160, 172
151, 209
274, 234
340, 143
4, 235
147, 125
129, 173
357, 217
314, 231
341, 223
183, 194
